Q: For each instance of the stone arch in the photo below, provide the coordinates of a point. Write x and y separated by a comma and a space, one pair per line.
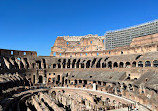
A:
75, 81
121, 65
103, 65
54, 65
88, 64
40, 79
115, 64
78, 63
98, 63
140, 64
79, 81
44, 63
110, 64
58, 79
155, 63
93, 62
68, 63
64, 63
21, 65
59, 65
73, 63
15, 63
65, 81
134, 64
147, 64
82, 65
85, 81
128, 64
34, 78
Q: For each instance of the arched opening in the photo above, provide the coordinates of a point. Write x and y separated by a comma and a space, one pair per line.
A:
40, 79
65, 81
54, 65
115, 65
27, 64
73, 63
78, 63
128, 64
59, 66
21, 65
140, 64
99, 82
103, 65
34, 78
68, 64
98, 64
33, 65
93, 62
155, 63
121, 65
85, 81
88, 64
75, 81
64, 62
80, 81
134, 64
110, 64
82, 65
147, 64
39, 64
58, 79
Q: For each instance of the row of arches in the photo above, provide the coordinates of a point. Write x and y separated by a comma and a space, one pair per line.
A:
109, 64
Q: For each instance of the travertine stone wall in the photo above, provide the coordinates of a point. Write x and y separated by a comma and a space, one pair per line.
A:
73, 44
93, 46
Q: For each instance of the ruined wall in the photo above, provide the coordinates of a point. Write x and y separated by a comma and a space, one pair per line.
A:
6, 52
93, 46
74, 44
149, 39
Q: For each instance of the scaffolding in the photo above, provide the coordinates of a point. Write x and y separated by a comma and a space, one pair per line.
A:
123, 37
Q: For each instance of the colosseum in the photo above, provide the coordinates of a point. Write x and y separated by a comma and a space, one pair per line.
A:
117, 71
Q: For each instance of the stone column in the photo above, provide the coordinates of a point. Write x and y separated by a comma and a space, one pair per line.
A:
70, 65
61, 66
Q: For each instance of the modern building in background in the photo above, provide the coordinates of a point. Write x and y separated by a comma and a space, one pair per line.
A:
123, 37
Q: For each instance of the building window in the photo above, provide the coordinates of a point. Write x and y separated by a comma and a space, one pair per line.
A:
11, 52
103, 41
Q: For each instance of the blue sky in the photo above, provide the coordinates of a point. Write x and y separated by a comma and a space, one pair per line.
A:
35, 24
